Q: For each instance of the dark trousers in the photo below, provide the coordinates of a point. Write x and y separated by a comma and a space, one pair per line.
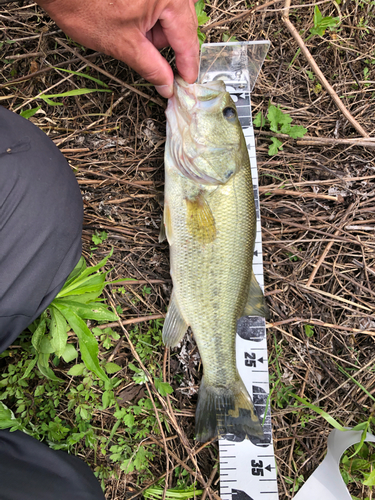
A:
41, 216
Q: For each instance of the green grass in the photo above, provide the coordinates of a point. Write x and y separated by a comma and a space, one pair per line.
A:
56, 387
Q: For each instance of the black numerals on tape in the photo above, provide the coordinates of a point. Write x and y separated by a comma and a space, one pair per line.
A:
257, 468
250, 359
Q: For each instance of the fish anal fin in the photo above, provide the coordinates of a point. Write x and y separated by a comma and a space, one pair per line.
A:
256, 303
200, 220
175, 326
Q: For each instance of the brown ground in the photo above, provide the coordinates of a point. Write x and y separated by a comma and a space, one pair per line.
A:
115, 143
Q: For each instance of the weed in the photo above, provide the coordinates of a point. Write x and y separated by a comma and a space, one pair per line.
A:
309, 330
202, 19
98, 238
321, 24
278, 122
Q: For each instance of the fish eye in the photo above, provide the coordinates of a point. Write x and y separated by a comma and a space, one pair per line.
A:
229, 113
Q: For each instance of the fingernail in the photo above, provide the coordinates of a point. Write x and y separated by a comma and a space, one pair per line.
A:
165, 90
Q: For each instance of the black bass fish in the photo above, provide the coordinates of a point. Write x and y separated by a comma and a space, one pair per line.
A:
210, 223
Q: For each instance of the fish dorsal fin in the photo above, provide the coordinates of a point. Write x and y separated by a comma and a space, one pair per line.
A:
256, 303
166, 226
200, 220
174, 325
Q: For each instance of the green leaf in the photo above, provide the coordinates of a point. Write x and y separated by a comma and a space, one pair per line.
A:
276, 117
228, 38
30, 366
89, 77
73, 92
79, 268
70, 353
163, 387
320, 412
275, 146
50, 102
87, 342
39, 334
45, 369
77, 370
201, 15
370, 481
317, 16
297, 131
112, 368
309, 330
129, 420
58, 329
93, 310
28, 113
259, 120
201, 37
7, 419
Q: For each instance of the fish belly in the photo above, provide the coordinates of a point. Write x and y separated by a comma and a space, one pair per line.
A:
211, 280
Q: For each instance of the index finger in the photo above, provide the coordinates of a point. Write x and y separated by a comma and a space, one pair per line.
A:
179, 23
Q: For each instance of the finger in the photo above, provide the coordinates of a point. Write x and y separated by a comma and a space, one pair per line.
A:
157, 37
179, 23
141, 55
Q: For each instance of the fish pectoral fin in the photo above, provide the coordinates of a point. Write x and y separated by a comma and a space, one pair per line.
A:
200, 220
256, 303
174, 325
166, 226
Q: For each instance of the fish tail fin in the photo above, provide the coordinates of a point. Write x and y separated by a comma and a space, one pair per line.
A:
225, 410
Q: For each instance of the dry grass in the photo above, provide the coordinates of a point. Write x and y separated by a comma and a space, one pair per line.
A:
319, 254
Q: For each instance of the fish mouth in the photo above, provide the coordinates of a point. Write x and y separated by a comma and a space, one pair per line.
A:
197, 95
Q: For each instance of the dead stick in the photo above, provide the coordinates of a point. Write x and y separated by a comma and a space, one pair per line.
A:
132, 321
44, 70
112, 77
319, 73
238, 17
302, 194
309, 140
318, 322
328, 247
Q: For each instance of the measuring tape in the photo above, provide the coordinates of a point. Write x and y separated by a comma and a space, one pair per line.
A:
247, 466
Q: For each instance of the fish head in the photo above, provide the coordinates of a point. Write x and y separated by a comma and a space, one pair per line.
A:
205, 141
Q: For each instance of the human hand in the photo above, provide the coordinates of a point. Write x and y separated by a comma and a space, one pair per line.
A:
132, 31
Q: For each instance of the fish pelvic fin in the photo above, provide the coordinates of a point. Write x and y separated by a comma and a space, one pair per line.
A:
256, 303
225, 410
175, 326
166, 226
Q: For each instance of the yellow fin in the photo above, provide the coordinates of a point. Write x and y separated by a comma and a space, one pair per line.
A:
200, 220
256, 303
166, 226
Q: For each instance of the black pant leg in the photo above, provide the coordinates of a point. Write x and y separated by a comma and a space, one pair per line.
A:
41, 216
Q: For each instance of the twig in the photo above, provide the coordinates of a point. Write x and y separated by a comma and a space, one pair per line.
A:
44, 70
131, 321
328, 247
238, 17
309, 140
318, 322
335, 297
112, 77
302, 194
319, 73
